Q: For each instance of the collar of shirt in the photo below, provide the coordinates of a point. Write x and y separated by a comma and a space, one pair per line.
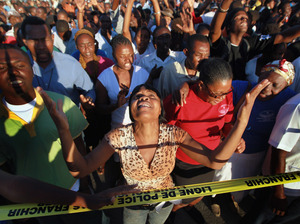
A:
38, 108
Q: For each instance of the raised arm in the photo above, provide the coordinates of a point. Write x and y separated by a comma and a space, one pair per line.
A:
78, 165
127, 17
187, 23
202, 8
80, 6
157, 12
287, 35
95, 4
215, 159
217, 22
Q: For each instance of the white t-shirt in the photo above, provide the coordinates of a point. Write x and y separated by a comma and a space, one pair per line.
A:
23, 111
285, 136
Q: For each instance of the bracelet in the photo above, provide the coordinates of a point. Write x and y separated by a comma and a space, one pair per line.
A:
79, 12
156, 13
222, 10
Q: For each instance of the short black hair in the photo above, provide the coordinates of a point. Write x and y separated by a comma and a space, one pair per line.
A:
195, 37
143, 28
119, 40
10, 46
43, 9
202, 26
33, 20
62, 26
156, 30
63, 12
213, 70
230, 17
149, 87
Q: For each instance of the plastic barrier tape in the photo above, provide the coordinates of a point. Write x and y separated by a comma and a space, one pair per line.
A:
19, 211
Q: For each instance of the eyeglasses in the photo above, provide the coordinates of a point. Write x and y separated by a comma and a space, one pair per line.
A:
212, 94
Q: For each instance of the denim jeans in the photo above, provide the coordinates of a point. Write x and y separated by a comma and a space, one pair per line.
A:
140, 216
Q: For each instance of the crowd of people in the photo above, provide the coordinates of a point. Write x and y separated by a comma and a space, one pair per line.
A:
101, 98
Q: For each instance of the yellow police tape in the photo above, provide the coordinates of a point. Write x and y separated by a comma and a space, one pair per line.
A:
19, 211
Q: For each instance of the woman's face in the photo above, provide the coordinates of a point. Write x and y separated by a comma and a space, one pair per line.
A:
216, 92
123, 56
86, 46
142, 39
277, 84
145, 105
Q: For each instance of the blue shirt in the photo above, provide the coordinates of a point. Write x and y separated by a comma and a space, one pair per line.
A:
262, 118
64, 75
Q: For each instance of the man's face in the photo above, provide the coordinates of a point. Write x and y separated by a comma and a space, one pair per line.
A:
40, 43
240, 22
107, 7
15, 75
14, 20
199, 52
162, 40
33, 11
40, 13
62, 16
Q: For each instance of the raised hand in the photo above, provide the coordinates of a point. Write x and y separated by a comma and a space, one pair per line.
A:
80, 5
87, 102
122, 95
179, 96
241, 146
191, 4
57, 114
187, 20
245, 110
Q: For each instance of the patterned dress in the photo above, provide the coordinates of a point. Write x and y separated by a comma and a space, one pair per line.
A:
134, 168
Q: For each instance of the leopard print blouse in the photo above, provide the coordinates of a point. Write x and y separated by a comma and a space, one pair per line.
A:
134, 168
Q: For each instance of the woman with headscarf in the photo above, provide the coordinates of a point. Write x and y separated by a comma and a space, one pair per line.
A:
93, 64
262, 119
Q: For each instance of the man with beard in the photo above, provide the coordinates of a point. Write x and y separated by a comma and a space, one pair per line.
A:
163, 54
30, 145
55, 71
104, 36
